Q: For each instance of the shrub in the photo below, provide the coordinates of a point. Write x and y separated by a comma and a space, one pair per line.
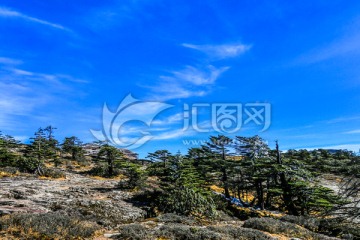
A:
10, 170
101, 170
186, 201
28, 165
52, 173
139, 232
134, 232
278, 227
241, 233
310, 223
173, 218
135, 176
186, 233
47, 226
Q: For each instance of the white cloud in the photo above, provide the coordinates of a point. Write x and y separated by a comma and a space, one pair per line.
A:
9, 61
21, 138
173, 134
199, 77
350, 147
189, 82
22, 93
345, 45
342, 119
5, 12
357, 131
175, 118
220, 51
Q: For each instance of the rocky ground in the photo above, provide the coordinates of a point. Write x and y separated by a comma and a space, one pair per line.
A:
97, 198
98, 201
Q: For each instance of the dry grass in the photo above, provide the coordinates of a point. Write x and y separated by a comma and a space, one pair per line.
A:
6, 174
50, 178
115, 178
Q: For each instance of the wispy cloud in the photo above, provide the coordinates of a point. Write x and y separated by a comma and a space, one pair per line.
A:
9, 61
342, 119
350, 147
174, 134
220, 51
199, 77
356, 131
345, 45
8, 13
24, 92
188, 82
175, 118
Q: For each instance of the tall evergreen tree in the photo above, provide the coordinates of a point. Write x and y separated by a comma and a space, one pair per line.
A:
111, 155
219, 149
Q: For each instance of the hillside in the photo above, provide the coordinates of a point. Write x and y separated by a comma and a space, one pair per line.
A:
57, 191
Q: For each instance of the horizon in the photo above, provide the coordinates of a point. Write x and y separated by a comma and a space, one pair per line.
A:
60, 63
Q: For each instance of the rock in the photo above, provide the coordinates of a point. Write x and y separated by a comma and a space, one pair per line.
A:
4, 212
110, 235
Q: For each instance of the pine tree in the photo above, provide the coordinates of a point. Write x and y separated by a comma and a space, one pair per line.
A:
7, 147
110, 155
218, 147
256, 161
73, 146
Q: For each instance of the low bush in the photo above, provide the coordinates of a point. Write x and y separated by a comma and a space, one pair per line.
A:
241, 233
52, 173
101, 170
184, 232
173, 218
328, 226
285, 228
134, 232
47, 226
10, 170
185, 201
310, 223
28, 165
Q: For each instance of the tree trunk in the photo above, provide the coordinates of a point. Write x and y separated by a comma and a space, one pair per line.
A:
110, 167
286, 188
225, 181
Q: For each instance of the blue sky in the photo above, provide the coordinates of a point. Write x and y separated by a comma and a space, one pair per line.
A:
61, 61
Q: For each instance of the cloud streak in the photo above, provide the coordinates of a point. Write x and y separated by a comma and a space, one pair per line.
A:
188, 82
220, 51
356, 131
8, 13
23, 92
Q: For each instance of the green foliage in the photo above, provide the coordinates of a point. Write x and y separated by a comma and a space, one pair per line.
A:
190, 177
186, 201
135, 176
102, 170
28, 165
43, 147
110, 155
72, 145
7, 145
